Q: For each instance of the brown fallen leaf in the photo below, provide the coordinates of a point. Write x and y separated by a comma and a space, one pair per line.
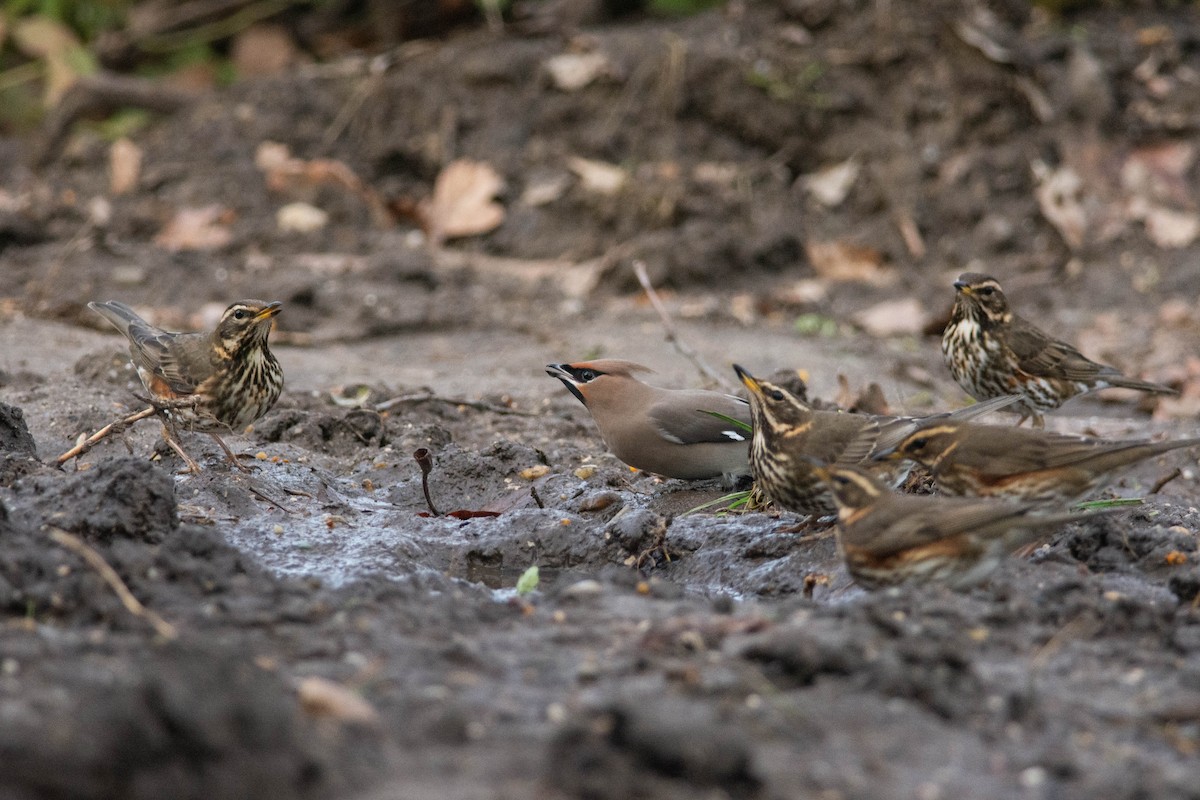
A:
1159, 172
843, 262
39, 36
570, 72
831, 185
320, 697
1059, 195
124, 166
1170, 229
293, 176
204, 228
598, 177
263, 49
462, 203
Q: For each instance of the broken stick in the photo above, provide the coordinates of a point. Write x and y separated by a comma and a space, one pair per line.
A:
672, 335
109, 429
96, 561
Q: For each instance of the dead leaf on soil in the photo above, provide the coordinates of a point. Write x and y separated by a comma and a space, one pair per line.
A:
124, 166
598, 177
845, 262
1059, 195
831, 185
546, 189
867, 401
204, 228
570, 72
67, 60
901, 317
1170, 229
1159, 172
462, 203
300, 217
1184, 375
263, 49
320, 697
288, 175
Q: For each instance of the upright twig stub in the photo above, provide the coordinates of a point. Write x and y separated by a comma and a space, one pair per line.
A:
672, 335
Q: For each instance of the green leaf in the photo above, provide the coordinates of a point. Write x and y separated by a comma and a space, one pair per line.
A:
815, 325
528, 581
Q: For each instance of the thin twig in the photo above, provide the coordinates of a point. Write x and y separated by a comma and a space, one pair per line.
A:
1163, 481
96, 561
261, 495
672, 335
362, 92
109, 429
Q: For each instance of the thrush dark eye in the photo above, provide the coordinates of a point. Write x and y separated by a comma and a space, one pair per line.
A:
239, 314
918, 444
986, 291
776, 395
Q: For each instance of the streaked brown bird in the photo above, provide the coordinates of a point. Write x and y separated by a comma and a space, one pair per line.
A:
669, 432
991, 352
789, 433
888, 539
1020, 464
211, 382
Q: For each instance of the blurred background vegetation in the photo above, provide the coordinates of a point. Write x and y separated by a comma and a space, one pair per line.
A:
48, 45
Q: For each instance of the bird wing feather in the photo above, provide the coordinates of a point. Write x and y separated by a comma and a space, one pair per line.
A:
154, 352
1040, 355
914, 527
673, 422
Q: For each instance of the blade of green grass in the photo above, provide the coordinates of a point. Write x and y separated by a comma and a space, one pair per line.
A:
1116, 502
735, 500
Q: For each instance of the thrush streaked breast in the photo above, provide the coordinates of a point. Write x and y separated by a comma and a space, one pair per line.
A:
1020, 464
230, 375
789, 433
991, 351
888, 539
679, 433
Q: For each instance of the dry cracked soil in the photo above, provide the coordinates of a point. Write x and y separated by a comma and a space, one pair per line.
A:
306, 630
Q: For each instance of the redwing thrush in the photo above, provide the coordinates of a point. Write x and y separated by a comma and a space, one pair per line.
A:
788, 433
666, 431
888, 539
211, 382
1020, 464
991, 351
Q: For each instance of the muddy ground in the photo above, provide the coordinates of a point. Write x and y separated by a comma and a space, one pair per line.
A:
321, 637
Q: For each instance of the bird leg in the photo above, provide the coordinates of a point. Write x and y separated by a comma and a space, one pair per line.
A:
1037, 420
233, 459
169, 438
